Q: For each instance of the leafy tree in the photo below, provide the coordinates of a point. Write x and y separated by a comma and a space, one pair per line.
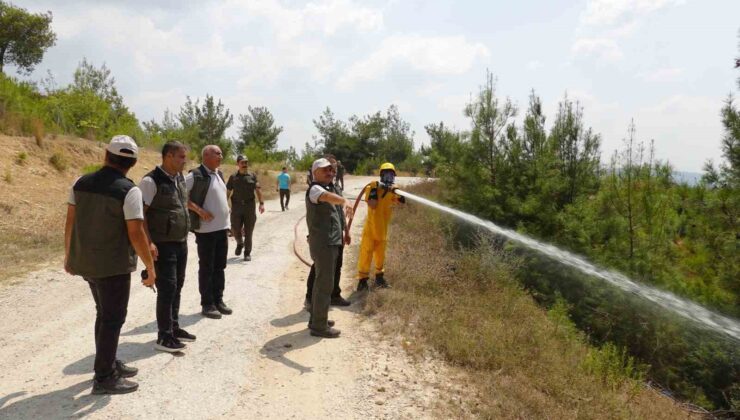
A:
205, 124
258, 130
24, 37
100, 82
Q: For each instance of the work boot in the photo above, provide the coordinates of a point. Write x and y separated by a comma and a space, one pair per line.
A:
362, 285
221, 307
247, 257
239, 248
125, 371
210, 311
380, 282
327, 333
339, 301
113, 385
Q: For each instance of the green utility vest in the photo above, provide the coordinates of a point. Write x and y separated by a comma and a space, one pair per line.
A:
243, 188
167, 215
201, 184
325, 224
100, 246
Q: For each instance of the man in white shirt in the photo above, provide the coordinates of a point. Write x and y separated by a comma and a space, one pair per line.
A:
210, 220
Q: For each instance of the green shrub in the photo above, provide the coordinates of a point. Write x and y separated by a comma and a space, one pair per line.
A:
91, 168
58, 161
614, 366
21, 158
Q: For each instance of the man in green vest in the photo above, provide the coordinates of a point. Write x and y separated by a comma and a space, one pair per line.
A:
103, 234
325, 238
167, 223
242, 187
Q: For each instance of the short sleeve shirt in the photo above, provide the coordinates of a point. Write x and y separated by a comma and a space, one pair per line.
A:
283, 181
133, 205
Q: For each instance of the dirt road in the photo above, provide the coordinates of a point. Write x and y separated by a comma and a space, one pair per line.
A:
259, 362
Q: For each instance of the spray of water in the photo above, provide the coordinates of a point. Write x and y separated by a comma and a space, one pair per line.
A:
685, 308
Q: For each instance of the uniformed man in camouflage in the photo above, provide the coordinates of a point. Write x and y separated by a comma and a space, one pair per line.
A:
242, 188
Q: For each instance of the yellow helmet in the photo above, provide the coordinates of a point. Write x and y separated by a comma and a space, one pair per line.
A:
388, 165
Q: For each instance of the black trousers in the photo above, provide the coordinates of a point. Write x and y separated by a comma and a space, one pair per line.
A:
243, 217
212, 250
111, 303
170, 267
284, 194
337, 275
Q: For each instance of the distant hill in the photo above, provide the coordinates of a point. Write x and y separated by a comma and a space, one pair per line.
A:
690, 178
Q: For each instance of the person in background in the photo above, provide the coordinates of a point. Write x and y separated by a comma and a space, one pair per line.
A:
380, 197
242, 187
209, 219
325, 238
103, 234
283, 187
167, 224
340, 175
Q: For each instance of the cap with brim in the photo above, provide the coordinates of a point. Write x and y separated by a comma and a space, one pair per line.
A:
123, 146
241, 158
320, 163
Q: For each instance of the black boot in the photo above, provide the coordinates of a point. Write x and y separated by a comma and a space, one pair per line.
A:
362, 285
114, 384
380, 282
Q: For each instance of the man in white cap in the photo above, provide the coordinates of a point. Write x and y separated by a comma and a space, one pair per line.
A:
325, 239
103, 234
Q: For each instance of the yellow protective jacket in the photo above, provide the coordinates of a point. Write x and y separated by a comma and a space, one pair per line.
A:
376, 223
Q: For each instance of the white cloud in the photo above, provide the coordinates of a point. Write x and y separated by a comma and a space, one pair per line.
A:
534, 65
602, 48
611, 12
669, 74
452, 55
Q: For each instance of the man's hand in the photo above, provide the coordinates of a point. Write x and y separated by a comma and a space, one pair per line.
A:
205, 215
153, 249
348, 209
151, 277
262, 208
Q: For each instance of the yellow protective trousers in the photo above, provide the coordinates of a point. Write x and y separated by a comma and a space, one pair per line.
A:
371, 249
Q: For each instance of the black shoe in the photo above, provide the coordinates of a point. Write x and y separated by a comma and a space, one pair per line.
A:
330, 323
327, 333
125, 371
169, 344
362, 285
380, 282
239, 248
339, 301
210, 311
183, 335
247, 257
114, 385
221, 307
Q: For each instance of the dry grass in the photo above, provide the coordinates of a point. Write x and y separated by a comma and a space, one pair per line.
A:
518, 361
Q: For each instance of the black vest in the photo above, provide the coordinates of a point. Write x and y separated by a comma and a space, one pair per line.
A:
201, 184
100, 246
167, 215
325, 223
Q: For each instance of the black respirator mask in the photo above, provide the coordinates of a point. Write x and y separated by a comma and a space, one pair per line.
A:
387, 178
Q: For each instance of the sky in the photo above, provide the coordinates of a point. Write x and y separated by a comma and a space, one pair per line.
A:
667, 64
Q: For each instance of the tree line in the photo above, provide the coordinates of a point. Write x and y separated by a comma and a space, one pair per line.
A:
628, 213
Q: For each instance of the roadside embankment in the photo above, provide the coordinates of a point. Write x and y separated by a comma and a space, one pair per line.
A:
518, 360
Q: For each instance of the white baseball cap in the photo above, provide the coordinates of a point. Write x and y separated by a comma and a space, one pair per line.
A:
122, 145
320, 163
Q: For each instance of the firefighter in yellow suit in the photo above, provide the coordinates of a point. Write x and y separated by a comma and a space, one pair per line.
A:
380, 197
